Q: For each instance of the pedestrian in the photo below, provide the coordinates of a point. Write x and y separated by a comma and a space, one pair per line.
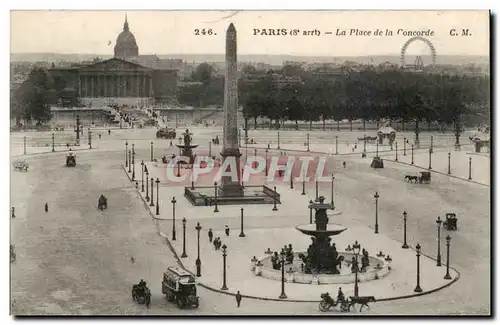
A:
13, 214
215, 243
99, 136
46, 207
219, 243
226, 230
343, 164
210, 235
109, 131
238, 299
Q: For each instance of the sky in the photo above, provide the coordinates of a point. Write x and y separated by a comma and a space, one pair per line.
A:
173, 32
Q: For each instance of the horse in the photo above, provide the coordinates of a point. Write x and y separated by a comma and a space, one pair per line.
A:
411, 179
360, 300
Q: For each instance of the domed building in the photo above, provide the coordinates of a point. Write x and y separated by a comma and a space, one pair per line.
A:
126, 79
126, 46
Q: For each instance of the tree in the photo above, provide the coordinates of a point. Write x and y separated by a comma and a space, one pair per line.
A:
34, 97
204, 73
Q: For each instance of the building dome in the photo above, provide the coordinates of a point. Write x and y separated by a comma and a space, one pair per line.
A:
126, 45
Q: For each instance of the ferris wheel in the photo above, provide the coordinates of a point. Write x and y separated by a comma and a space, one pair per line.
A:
418, 63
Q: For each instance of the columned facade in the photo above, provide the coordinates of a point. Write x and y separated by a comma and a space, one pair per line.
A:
115, 84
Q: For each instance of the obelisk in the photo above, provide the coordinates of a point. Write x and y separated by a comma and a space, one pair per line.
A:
230, 147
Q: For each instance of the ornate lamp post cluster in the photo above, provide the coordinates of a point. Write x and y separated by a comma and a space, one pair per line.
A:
418, 250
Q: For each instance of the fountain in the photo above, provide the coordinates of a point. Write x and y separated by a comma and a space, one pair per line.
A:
322, 255
187, 147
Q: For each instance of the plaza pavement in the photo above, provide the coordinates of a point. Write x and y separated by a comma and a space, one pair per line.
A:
55, 256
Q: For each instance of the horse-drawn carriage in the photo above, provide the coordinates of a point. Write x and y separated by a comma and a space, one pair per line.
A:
141, 294
102, 203
70, 160
451, 221
423, 177
21, 165
327, 302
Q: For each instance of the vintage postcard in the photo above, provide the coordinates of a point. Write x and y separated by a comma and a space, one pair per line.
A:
250, 163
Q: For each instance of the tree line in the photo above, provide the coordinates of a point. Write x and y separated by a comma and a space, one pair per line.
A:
368, 95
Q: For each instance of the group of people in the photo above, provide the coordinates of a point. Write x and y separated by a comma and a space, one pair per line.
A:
276, 260
217, 241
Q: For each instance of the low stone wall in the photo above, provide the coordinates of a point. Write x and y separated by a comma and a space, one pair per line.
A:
372, 273
270, 192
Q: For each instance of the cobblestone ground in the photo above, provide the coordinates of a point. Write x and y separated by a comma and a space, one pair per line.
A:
77, 260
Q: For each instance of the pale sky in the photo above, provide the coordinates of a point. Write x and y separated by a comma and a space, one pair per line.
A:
169, 32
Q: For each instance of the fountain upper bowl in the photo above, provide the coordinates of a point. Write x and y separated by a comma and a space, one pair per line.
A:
331, 229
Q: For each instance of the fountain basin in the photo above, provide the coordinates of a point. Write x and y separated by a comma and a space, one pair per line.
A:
331, 229
345, 276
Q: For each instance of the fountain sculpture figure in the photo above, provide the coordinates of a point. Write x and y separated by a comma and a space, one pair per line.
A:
187, 147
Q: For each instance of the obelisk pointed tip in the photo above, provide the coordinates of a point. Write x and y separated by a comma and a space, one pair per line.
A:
231, 28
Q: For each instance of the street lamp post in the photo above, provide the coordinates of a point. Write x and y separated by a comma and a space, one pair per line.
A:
317, 191
448, 276
24, 148
198, 261
178, 169
404, 146
412, 154
291, 179
333, 203
376, 196
130, 161
430, 159
282, 256
275, 208
449, 163
310, 210
303, 184
308, 147
151, 145
470, 168
151, 202
224, 255
133, 165
216, 209
376, 155
355, 249
157, 196
184, 255
242, 234
432, 143
405, 245
126, 154
53, 142
173, 217
438, 222
210, 148
267, 169
364, 142
417, 288
396, 151
147, 186
142, 176
336, 144
90, 139
279, 140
